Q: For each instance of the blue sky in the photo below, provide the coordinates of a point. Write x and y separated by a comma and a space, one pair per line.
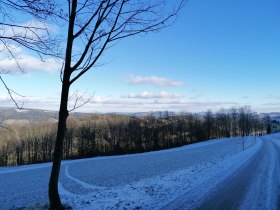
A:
217, 54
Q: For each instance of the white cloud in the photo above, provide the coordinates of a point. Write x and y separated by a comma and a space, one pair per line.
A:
103, 104
108, 104
112, 101
149, 95
30, 63
14, 55
154, 80
30, 102
123, 105
271, 104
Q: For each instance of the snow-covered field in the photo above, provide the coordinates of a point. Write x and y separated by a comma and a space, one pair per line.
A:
207, 175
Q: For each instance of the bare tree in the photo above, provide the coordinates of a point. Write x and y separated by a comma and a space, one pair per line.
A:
209, 123
267, 123
95, 25
234, 121
11, 94
245, 122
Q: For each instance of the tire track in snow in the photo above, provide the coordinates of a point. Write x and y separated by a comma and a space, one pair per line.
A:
79, 182
63, 191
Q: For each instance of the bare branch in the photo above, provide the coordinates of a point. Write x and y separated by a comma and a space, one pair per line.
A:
11, 93
31, 37
79, 100
8, 48
114, 21
40, 9
89, 21
90, 41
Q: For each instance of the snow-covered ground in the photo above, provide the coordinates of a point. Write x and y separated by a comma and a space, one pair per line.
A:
210, 174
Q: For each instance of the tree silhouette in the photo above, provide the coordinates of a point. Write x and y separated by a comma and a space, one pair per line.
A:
95, 25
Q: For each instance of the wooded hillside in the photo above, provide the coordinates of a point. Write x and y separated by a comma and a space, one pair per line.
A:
96, 135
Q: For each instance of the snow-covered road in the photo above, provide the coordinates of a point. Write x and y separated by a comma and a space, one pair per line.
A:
252, 185
215, 174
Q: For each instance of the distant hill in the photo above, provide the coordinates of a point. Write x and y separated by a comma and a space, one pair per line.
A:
273, 115
143, 114
30, 115
22, 116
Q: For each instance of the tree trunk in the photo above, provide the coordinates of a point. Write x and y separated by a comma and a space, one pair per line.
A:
55, 203
54, 198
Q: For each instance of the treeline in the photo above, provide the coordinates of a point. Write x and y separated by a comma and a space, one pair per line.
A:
98, 135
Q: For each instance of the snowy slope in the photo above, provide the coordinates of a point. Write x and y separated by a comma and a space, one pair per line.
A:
188, 177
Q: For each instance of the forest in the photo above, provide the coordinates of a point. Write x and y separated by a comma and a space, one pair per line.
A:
115, 134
